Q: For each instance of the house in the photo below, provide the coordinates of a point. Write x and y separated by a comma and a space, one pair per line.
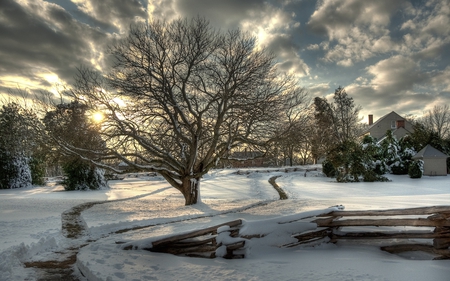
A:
245, 159
391, 121
434, 161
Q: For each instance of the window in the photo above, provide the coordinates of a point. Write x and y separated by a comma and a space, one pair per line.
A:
393, 125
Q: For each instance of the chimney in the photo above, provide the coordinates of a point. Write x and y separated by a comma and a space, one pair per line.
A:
370, 119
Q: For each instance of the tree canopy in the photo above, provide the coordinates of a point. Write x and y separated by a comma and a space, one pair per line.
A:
182, 95
337, 121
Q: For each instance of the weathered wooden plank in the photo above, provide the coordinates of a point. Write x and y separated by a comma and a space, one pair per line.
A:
195, 233
388, 235
380, 222
443, 229
441, 243
198, 255
179, 251
445, 210
325, 221
235, 246
437, 217
293, 244
231, 248
313, 234
193, 243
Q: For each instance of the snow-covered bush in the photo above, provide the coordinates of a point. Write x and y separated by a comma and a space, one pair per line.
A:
14, 171
328, 169
356, 162
82, 176
415, 170
17, 145
397, 154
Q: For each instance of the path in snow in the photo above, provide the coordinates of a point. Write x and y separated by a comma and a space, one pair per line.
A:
283, 195
61, 267
73, 227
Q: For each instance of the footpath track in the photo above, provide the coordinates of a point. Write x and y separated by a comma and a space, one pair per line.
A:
61, 266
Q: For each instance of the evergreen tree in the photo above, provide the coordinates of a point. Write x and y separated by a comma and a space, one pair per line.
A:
17, 143
415, 170
354, 162
397, 154
337, 121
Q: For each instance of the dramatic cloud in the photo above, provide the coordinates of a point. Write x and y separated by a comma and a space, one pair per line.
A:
358, 30
114, 14
43, 44
388, 54
272, 25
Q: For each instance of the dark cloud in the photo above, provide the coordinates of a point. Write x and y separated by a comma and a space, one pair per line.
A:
227, 14
114, 14
44, 37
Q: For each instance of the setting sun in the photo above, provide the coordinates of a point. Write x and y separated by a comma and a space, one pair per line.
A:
98, 117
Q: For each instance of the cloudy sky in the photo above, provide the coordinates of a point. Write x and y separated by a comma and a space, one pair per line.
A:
390, 55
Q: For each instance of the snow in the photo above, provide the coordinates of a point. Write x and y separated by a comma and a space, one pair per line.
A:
141, 210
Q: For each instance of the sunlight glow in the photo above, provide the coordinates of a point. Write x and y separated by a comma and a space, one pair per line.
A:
98, 117
51, 78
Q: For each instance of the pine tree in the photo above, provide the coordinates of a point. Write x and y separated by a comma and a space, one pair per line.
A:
17, 141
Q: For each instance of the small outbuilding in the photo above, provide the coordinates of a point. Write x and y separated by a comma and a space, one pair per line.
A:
434, 161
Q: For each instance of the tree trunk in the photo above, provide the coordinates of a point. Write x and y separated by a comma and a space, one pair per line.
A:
291, 156
191, 190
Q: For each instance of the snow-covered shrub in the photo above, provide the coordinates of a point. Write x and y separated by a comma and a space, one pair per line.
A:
328, 169
14, 171
83, 176
416, 169
17, 144
356, 162
397, 154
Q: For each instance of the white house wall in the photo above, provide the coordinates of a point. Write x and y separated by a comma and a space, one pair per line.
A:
435, 167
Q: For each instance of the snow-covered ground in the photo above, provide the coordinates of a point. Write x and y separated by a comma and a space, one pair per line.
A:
30, 228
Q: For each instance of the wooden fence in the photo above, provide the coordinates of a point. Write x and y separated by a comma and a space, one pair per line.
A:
203, 242
429, 224
409, 223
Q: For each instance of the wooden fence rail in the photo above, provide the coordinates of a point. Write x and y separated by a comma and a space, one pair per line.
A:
202, 243
332, 225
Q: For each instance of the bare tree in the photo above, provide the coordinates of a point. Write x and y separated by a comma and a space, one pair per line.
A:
290, 133
183, 95
438, 120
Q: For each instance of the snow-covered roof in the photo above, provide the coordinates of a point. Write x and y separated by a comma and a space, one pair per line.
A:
429, 152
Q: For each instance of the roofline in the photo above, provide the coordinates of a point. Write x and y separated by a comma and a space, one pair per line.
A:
380, 119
